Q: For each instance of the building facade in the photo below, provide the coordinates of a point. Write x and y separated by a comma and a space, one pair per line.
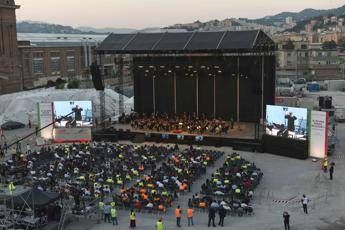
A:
43, 62
307, 60
9, 74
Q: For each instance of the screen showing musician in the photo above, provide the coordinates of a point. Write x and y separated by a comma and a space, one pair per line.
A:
72, 114
286, 122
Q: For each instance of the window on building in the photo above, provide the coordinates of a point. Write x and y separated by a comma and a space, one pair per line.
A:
55, 65
70, 63
304, 47
37, 54
289, 54
37, 65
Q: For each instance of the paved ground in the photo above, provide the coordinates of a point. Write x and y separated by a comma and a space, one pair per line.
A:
284, 182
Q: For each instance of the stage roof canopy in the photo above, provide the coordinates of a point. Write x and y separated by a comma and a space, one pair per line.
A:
186, 42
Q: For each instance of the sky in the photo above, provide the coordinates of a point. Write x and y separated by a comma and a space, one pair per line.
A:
139, 14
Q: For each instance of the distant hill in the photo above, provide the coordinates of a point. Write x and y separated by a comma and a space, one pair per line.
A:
106, 30
40, 27
213, 25
300, 26
297, 17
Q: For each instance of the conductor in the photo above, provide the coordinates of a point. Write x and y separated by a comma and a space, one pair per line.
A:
77, 113
291, 121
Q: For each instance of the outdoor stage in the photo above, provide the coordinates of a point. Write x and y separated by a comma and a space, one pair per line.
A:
242, 136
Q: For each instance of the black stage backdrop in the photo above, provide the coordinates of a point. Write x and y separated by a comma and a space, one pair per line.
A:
143, 93
164, 86
287, 147
185, 93
226, 96
205, 94
250, 84
250, 71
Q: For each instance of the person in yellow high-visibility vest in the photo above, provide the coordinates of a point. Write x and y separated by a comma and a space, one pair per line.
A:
11, 187
100, 210
113, 213
132, 223
159, 224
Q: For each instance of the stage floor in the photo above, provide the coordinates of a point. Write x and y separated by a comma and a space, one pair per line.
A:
241, 130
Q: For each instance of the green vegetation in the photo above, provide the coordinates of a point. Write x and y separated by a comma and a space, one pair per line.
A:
329, 45
73, 84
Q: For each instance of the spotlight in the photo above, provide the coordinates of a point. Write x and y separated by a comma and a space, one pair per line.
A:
169, 71
140, 67
151, 66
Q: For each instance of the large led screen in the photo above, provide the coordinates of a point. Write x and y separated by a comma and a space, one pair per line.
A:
287, 122
72, 114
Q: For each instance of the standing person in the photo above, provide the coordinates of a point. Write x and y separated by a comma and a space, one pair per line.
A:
222, 214
211, 216
305, 202
291, 121
331, 171
190, 212
2, 135
132, 223
29, 124
28, 149
107, 211
286, 218
178, 216
232, 122
5, 148
18, 147
159, 224
100, 210
113, 213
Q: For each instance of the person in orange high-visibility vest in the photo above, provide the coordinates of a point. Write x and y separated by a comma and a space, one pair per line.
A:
178, 216
190, 213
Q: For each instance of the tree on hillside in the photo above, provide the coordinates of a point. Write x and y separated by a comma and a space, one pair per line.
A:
341, 44
289, 45
329, 45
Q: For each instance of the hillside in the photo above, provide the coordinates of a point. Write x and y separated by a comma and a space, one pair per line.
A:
40, 27
300, 26
106, 30
298, 16
212, 25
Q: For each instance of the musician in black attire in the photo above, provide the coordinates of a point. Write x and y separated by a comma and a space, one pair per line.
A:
77, 111
77, 115
291, 121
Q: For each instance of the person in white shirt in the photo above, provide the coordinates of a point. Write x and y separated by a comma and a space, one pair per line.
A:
305, 202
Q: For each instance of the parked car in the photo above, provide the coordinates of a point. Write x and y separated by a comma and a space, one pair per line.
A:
284, 87
9, 125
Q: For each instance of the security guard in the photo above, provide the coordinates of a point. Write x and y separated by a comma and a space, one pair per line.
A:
159, 224
178, 216
132, 223
113, 213
100, 210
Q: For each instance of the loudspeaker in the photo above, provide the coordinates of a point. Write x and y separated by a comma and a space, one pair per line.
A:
96, 77
328, 103
139, 138
321, 102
